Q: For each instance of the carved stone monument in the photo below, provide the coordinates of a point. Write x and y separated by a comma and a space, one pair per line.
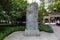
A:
32, 20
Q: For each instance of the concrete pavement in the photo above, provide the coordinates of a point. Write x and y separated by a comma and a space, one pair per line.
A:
56, 31
19, 36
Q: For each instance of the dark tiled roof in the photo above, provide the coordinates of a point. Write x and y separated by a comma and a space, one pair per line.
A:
52, 13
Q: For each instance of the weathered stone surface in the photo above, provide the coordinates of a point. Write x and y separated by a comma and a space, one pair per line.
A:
31, 33
32, 16
32, 20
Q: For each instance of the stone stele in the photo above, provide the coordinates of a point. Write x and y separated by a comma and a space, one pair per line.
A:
32, 20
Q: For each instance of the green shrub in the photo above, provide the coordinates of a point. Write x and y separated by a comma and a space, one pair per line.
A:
58, 24
45, 28
8, 30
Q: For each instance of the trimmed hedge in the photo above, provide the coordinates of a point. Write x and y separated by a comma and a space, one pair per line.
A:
46, 28
58, 24
9, 30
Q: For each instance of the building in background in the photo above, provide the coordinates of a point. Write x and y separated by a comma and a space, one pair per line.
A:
52, 18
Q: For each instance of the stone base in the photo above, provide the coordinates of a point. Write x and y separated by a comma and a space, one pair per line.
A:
31, 33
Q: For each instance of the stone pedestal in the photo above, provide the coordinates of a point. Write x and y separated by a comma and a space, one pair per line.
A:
32, 33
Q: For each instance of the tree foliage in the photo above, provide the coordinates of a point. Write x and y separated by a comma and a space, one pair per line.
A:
12, 9
41, 11
55, 4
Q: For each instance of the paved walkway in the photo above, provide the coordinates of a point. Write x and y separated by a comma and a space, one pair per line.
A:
43, 36
56, 30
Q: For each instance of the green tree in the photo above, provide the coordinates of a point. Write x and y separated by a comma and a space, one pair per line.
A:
55, 4
41, 12
19, 10
14, 9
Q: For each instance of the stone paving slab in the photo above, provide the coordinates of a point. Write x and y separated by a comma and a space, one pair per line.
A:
19, 36
56, 30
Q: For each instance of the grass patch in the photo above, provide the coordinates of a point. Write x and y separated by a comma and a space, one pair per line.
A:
5, 30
